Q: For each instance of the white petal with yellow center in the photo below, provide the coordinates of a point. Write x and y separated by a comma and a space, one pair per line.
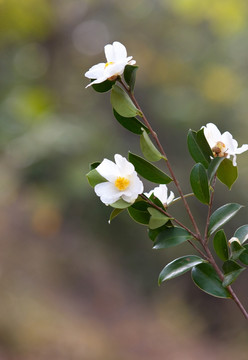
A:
122, 181
222, 144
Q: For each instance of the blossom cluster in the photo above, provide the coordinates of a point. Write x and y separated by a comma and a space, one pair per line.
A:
122, 181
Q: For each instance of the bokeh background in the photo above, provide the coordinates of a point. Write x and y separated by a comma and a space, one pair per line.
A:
71, 285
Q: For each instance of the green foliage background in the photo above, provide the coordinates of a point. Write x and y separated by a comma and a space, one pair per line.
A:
71, 286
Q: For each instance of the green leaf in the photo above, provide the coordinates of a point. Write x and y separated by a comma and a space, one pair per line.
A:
213, 167
220, 245
94, 165
199, 148
231, 277
157, 218
222, 215
242, 233
153, 233
130, 75
178, 267
206, 278
227, 173
120, 204
244, 256
148, 149
230, 265
95, 178
114, 214
199, 183
231, 270
148, 171
236, 249
122, 103
104, 86
156, 201
138, 212
171, 237
131, 123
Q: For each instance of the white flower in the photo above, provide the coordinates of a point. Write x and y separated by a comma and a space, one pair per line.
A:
117, 59
161, 192
122, 181
222, 144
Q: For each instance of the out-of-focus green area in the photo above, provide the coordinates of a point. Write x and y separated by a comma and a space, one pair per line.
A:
71, 285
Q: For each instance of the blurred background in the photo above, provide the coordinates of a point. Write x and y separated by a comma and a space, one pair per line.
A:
71, 285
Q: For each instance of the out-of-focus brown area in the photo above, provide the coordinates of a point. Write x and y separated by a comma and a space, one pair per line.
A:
71, 285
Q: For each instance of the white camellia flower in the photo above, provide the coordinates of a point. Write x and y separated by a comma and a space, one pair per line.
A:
122, 181
117, 59
161, 192
222, 144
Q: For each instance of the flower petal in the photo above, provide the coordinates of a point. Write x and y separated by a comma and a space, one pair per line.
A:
107, 192
95, 71
109, 52
120, 51
212, 134
230, 143
109, 170
125, 167
116, 68
97, 81
170, 198
242, 149
161, 192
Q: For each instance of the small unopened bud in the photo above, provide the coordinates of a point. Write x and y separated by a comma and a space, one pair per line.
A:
232, 240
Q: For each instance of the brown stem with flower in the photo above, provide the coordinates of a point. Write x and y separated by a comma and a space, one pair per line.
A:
203, 240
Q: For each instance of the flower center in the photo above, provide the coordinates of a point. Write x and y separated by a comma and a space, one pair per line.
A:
122, 183
108, 63
219, 150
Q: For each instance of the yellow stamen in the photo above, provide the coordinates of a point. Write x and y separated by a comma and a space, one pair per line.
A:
108, 63
219, 149
122, 183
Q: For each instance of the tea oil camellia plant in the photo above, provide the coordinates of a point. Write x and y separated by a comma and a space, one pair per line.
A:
119, 185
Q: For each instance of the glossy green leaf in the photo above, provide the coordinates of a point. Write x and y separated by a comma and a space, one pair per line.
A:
231, 270
148, 149
130, 75
131, 123
122, 103
231, 277
227, 173
206, 278
199, 148
171, 237
104, 86
95, 178
220, 245
222, 215
242, 233
120, 204
178, 267
148, 171
236, 249
199, 183
157, 218
153, 233
213, 167
244, 256
138, 212
115, 213
230, 265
